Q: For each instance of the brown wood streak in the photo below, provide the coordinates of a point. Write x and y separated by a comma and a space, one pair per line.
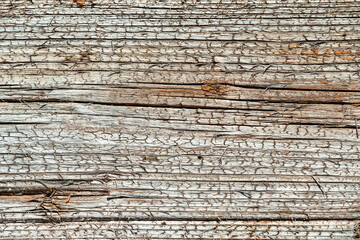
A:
179, 119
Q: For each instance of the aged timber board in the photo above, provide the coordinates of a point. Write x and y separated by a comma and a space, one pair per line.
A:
179, 119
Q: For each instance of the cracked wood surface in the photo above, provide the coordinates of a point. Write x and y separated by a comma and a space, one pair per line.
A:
159, 119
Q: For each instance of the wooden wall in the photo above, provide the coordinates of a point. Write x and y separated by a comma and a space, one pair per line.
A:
179, 119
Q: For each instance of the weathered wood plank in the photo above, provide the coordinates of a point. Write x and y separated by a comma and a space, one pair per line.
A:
179, 119
184, 230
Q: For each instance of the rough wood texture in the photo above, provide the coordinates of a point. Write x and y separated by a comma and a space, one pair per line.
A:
159, 119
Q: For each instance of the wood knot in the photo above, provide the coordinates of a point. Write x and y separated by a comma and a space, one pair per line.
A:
212, 88
85, 55
79, 3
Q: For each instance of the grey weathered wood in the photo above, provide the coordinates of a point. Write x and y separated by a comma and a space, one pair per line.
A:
179, 119
184, 230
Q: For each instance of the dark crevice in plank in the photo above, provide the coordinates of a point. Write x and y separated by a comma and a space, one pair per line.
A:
187, 106
56, 219
22, 63
155, 85
236, 178
21, 123
179, 39
127, 104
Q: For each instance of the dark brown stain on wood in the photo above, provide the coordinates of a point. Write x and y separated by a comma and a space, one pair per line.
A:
213, 88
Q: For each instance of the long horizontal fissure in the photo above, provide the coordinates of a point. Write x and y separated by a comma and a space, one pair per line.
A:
58, 219
156, 85
183, 106
21, 63
123, 104
188, 177
180, 39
